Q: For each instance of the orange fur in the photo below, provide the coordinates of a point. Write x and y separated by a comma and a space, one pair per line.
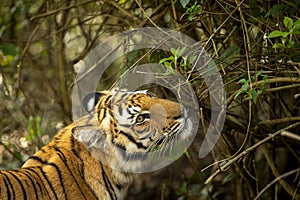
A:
68, 168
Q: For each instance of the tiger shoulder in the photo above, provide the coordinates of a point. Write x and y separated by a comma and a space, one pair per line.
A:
95, 157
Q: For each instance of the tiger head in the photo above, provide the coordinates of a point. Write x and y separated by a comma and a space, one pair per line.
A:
126, 126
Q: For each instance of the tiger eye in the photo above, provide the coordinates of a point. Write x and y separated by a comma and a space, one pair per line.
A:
140, 119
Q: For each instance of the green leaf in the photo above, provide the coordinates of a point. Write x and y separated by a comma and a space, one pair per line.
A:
297, 22
277, 45
164, 60
288, 23
242, 80
276, 33
265, 78
192, 59
277, 10
167, 64
245, 86
238, 93
283, 40
182, 16
259, 73
173, 51
9, 49
181, 51
184, 3
296, 29
254, 95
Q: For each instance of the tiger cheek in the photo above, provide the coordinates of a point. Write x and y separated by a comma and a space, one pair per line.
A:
141, 128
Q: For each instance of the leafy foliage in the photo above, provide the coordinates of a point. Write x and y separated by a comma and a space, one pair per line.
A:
254, 44
286, 36
192, 11
251, 92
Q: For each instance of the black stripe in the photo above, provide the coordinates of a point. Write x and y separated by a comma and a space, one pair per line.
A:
63, 158
33, 170
135, 102
36, 158
131, 117
98, 113
12, 173
138, 144
120, 110
103, 110
48, 181
121, 98
59, 171
107, 100
8, 185
33, 183
108, 185
121, 146
74, 142
45, 176
132, 113
126, 125
43, 150
174, 127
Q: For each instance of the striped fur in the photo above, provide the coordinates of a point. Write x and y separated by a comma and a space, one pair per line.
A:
71, 165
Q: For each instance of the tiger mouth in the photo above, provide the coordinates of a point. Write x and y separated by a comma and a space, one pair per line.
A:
178, 133
181, 120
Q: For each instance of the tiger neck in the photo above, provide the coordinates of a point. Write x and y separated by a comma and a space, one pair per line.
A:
87, 167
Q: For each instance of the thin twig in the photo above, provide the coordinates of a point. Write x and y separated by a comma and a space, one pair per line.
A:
290, 189
248, 59
124, 12
278, 121
143, 10
60, 9
245, 152
155, 15
275, 180
273, 80
290, 135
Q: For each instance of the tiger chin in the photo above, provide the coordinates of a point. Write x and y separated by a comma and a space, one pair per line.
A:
94, 157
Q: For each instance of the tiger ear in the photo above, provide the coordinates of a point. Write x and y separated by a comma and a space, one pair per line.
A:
90, 101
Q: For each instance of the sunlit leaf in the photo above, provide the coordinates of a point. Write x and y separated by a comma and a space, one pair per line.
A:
276, 33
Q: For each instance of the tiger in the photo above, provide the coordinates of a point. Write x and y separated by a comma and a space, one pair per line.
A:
85, 159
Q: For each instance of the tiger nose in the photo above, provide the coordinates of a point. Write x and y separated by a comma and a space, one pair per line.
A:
158, 114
